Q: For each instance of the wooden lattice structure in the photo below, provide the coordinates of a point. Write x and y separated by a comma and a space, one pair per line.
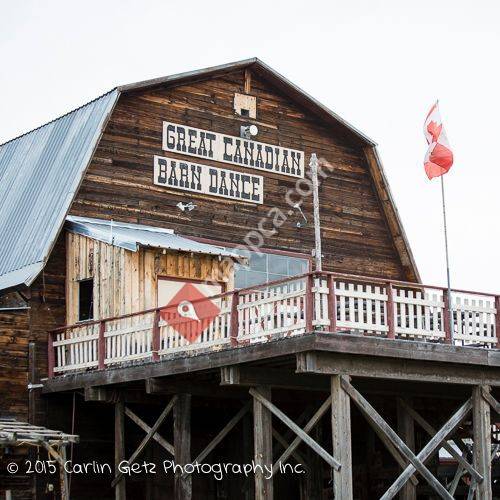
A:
16, 433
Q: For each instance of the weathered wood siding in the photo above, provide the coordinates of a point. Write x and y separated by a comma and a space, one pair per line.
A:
119, 182
125, 281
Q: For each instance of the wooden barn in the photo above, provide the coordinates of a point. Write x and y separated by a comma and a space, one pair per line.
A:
161, 300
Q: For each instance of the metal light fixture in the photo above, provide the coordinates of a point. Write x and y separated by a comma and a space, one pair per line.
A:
183, 207
300, 223
248, 131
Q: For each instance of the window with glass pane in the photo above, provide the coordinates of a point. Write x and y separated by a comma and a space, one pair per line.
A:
265, 267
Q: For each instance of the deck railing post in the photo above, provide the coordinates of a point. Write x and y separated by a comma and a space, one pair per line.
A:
309, 303
391, 326
446, 317
155, 347
233, 326
51, 355
497, 320
332, 303
101, 346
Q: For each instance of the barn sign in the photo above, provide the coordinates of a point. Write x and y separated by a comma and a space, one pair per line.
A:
205, 179
234, 150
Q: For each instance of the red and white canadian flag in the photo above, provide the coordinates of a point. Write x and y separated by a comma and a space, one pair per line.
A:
439, 157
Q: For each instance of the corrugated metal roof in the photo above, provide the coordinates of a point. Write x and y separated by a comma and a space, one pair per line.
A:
39, 175
131, 236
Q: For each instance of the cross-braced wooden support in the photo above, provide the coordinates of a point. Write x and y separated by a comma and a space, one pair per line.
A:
416, 461
406, 431
263, 438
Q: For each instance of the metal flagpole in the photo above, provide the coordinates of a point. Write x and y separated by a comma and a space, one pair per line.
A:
447, 259
317, 227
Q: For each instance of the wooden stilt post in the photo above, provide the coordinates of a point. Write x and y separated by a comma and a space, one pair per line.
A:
263, 445
120, 491
482, 442
406, 431
341, 437
182, 445
311, 484
63, 474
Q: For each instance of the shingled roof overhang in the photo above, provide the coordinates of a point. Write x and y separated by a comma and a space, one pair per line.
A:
41, 171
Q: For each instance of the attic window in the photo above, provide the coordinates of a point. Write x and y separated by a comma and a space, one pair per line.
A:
86, 300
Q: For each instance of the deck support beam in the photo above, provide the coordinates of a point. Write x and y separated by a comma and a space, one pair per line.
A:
406, 430
416, 461
120, 486
182, 445
341, 437
482, 441
263, 443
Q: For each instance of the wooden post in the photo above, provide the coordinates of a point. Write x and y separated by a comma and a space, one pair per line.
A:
233, 329
309, 303
332, 304
51, 356
156, 336
313, 164
482, 442
311, 483
391, 332
120, 491
263, 444
406, 431
101, 346
341, 437
497, 319
446, 317
182, 446
63, 475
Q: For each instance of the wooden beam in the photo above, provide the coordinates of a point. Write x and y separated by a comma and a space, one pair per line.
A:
482, 441
341, 437
183, 489
120, 485
448, 447
146, 428
495, 405
162, 386
147, 438
396, 454
263, 442
297, 430
252, 376
371, 414
474, 363
248, 81
284, 444
369, 366
96, 394
406, 431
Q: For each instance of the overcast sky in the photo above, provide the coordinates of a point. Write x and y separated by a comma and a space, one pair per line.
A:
380, 65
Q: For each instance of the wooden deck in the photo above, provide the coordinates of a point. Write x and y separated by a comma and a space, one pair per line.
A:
315, 302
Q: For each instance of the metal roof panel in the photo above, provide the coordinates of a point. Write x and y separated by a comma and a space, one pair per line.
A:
131, 236
39, 174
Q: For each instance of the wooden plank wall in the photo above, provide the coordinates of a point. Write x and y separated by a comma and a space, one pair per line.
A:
119, 182
126, 281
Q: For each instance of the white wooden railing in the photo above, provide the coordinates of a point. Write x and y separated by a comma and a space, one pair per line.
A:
311, 302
